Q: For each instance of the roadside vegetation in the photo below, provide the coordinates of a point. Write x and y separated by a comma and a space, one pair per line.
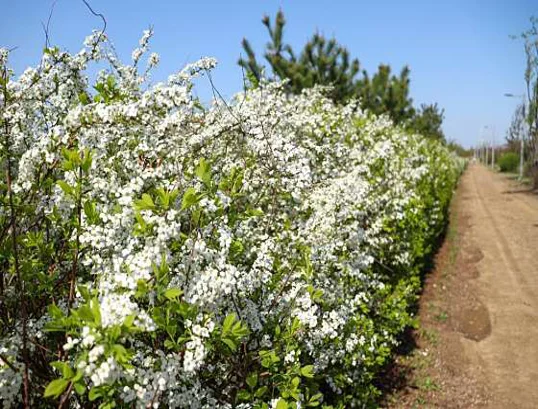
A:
264, 252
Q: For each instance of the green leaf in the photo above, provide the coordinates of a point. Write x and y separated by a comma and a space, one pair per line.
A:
140, 220
231, 344
268, 358
190, 198
120, 353
243, 395
94, 394
239, 330
164, 198
308, 265
78, 376
68, 190
87, 161
72, 156
227, 324
129, 321
111, 82
317, 295
146, 203
237, 181
80, 389
96, 311
236, 248
254, 212
55, 311
203, 171
171, 330
307, 371
86, 313
252, 380
84, 292
83, 98
90, 210
169, 344
296, 381
261, 391
173, 293
315, 398
281, 404
56, 388
67, 165
64, 368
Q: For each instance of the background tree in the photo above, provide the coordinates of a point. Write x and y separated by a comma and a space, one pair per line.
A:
326, 62
458, 149
517, 130
387, 94
428, 121
530, 40
321, 61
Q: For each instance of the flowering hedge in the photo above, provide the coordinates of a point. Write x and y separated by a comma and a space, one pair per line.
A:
156, 253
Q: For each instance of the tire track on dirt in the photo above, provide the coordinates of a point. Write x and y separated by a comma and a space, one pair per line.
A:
503, 247
502, 228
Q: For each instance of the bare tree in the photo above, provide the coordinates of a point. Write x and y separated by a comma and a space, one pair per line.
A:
530, 39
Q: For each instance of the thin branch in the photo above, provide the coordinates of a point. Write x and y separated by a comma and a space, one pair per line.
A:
65, 398
5, 360
97, 15
46, 27
21, 286
244, 86
74, 268
217, 92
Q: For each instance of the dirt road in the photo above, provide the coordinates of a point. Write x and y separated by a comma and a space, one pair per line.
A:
504, 229
477, 343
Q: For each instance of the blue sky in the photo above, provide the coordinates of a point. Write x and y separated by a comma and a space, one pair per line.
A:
459, 51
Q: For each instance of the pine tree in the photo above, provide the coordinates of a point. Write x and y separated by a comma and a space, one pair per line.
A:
326, 62
321, 61
428, 120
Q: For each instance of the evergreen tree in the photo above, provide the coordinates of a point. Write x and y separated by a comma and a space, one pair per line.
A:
321, 61
428, 121
325, 62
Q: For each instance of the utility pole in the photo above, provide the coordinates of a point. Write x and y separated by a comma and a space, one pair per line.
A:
493, 148
521, 154
486, 147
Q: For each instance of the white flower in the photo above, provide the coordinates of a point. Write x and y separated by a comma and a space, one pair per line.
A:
95, 353
153, 60
137, 53
70, 343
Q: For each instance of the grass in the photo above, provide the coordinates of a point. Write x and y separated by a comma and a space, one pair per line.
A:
442, 316
428, 385
431, 335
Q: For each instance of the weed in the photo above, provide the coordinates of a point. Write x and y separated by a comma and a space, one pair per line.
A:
442, 316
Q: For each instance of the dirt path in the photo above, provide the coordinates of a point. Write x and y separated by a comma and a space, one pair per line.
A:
504, 227
477, 345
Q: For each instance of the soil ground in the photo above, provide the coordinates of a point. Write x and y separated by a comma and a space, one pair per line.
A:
476, 345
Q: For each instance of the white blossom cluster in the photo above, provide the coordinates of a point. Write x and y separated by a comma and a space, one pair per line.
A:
10, 372
283, 210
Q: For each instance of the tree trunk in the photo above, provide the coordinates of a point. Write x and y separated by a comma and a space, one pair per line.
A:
534, 175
